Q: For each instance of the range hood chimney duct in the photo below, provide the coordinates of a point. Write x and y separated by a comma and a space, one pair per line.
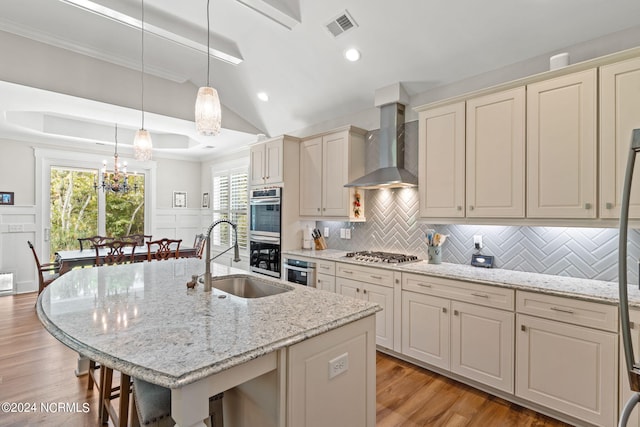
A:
391, 172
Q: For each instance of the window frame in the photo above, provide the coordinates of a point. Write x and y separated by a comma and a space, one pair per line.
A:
228, 212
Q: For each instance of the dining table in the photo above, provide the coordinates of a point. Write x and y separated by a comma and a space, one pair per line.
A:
144, 320
69, 259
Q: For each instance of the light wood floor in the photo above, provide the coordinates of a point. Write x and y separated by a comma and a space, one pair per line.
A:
35, 368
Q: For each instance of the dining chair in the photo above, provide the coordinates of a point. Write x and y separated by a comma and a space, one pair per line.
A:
116, 252
151, 406
47, 272
93, 240
199, 244
140, 239
163, 249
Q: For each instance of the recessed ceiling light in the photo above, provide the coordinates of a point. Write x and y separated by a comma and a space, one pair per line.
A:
352, 54
262, 96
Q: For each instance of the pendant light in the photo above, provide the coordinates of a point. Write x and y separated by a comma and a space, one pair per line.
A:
208, 111
142, 145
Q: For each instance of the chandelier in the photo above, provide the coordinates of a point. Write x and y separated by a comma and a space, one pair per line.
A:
142, 145
118, 180
208, 111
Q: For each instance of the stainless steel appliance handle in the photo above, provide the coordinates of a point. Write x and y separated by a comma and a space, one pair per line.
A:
304, 270
264, 239
267, 201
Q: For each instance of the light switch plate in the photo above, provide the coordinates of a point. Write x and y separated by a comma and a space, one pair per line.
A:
343, 233
326, 232
347, 233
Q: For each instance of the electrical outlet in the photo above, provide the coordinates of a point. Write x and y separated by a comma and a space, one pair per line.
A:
339, 365
347, 233
342, 233
326, 232
477, 241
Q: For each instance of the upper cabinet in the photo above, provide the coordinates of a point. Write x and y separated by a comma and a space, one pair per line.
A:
267, 161
496, 155
561, 147
619, 115
327, 163
441, 168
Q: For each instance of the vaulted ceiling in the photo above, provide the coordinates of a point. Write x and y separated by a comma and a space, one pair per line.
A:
285, 49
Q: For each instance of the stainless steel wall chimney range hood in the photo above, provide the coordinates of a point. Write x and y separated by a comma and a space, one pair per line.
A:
391, 172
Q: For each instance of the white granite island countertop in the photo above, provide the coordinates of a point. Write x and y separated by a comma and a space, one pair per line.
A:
143, 321
586, 289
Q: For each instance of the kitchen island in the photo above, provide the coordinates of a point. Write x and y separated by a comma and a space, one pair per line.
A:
141, 319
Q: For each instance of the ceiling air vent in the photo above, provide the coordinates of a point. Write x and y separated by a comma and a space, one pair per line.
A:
341, 24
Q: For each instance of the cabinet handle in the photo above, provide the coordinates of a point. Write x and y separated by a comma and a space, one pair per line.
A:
324, 209
364, 291
608, 205
397, 281
632, 325
326, 267
357, 290
458, 208
523, 328
348, 271
424, 285
455, 312
444, 309
475, 294
318, 209
562, 310
471, 207
587, 206
376, 277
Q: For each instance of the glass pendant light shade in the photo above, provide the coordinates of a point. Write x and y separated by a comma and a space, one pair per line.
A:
142, 146
208, 111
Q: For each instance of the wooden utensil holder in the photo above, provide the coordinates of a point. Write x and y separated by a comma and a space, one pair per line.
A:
320, 243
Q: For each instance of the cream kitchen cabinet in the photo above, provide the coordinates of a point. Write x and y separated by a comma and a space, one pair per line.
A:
473, 339
267, 159
567, 356
619, 106
326, 282
495, 153
625, 390
327, 163
370, 284
561, 147
441, 161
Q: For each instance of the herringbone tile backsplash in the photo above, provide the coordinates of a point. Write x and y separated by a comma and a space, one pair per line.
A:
392, 225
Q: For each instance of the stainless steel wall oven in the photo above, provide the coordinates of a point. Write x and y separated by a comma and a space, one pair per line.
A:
264, 231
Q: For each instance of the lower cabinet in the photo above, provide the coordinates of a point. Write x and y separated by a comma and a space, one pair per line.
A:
382, 295
562, 362
326, 282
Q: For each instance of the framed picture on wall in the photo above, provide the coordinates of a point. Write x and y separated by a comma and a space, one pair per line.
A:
205, 200
179, 199
6, 197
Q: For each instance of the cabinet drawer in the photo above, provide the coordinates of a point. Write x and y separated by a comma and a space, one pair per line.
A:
326, 267
361, 273
584, 313
490, 296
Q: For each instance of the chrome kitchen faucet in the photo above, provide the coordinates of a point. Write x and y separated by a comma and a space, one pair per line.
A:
208, 259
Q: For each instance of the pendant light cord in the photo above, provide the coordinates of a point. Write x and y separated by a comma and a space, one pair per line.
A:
208, 49
142, 60
116, 139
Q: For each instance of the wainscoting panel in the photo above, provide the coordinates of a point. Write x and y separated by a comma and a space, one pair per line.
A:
17, 226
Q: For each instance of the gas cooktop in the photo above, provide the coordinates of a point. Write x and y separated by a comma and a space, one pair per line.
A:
389, 257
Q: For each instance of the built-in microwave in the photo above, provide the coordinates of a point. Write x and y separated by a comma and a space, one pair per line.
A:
265, 215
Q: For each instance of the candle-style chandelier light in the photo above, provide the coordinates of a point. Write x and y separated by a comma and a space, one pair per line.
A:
116, 181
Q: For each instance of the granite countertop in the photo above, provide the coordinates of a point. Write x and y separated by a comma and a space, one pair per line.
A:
142, 320
586, 289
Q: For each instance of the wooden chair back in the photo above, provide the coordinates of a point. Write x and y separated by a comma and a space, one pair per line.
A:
47, 272
199, 244
93, 240
163, 249
117, 252
139, 239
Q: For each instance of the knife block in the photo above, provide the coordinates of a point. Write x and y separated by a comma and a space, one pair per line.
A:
320, 243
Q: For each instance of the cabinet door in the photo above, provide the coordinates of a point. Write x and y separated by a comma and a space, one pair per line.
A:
441, 168
335, 164
326, 282
495, 155
383, 296
569, 368
311, 177
425, 328
619, 106
273, 153
625, 389
482, 344
256, 164
349, 288
561, 147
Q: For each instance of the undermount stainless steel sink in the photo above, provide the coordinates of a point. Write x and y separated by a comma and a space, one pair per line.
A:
248, 286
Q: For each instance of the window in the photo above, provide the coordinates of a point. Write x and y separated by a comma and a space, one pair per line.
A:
230, 200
